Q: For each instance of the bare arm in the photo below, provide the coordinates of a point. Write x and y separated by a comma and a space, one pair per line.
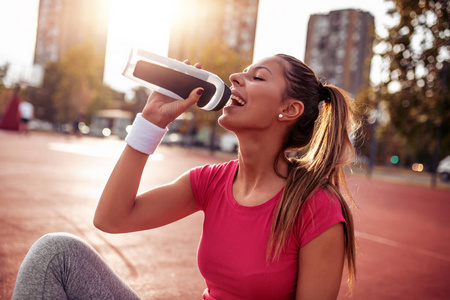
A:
120, 209
321, 264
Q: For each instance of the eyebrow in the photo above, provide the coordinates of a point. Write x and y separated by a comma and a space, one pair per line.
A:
257, 68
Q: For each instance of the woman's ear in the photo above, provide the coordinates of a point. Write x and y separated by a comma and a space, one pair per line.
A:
293, 109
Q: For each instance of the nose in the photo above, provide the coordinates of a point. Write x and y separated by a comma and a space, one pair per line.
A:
236, 79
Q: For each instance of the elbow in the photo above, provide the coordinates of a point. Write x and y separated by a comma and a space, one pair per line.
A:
103, 225
100, 225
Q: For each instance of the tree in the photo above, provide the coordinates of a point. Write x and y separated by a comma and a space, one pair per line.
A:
44, 97
80, 82
73, 85
3, 72
416, 53
3, 98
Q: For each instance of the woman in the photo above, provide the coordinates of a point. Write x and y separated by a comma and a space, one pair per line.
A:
276, 227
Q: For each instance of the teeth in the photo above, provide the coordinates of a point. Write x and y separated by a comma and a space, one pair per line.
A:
237, 99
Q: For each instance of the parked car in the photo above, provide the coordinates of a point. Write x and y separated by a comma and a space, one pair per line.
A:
443, 169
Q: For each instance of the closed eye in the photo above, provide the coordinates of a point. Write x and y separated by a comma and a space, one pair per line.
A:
258, 78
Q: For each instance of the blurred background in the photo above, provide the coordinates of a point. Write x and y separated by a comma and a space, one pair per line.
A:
65, 109
65, 58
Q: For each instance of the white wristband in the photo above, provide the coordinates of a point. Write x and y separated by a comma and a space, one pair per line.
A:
144, 135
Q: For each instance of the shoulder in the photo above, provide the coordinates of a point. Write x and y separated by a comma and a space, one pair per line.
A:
212, 170
209, 180
322, 201
319, 212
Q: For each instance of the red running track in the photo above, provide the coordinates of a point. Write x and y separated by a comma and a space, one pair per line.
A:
52, 183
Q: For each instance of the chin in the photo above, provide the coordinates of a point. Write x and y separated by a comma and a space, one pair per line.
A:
221, 121
225, 122
232, 125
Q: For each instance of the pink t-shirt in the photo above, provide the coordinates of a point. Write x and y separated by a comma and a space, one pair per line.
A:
232, 250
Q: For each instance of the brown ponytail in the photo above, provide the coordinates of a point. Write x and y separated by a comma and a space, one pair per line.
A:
326, 133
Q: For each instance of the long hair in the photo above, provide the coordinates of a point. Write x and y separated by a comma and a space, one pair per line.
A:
325, 132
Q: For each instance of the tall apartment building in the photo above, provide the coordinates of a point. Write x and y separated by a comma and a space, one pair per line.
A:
63, 24
196, 23
339, 47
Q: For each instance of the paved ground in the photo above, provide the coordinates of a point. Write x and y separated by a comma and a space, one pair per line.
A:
51, 183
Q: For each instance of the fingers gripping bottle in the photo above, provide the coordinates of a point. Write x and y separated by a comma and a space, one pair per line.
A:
176, 79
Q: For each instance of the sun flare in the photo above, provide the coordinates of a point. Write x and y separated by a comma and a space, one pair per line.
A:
135, 23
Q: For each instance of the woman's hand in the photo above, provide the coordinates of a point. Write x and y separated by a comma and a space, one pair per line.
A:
161, 110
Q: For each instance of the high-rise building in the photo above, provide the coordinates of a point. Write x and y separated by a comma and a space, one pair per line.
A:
339, 47
197, 23
63, 24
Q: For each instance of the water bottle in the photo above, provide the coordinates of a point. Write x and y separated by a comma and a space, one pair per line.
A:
176, 79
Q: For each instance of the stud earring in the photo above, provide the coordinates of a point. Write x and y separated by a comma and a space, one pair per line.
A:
280, 116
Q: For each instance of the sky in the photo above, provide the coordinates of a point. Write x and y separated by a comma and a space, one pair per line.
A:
281, 28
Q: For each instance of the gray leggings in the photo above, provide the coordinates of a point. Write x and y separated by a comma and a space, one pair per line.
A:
62, 266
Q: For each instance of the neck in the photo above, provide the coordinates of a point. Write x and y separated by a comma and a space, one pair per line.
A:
257, 154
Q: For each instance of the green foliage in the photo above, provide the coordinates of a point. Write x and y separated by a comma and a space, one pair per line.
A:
223, 60
417, 50
3, 72
101, 100
74, 85
45, 100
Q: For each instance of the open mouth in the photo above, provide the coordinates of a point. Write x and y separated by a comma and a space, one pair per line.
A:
236, 101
